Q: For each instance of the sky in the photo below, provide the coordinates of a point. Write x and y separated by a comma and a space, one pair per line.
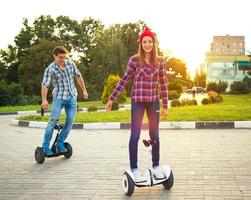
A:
185, 28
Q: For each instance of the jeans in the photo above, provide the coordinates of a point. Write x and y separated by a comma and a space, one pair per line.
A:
70, 106
153, 115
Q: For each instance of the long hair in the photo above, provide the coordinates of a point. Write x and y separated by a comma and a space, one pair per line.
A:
140, 56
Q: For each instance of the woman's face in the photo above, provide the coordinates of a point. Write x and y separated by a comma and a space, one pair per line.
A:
147, 44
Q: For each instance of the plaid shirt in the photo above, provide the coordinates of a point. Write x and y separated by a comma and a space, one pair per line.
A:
62, 80
145, 84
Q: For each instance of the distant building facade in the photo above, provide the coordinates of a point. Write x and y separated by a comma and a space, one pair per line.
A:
227, 61
228, 45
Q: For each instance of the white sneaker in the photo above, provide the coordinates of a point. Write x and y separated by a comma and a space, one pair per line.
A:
157, 171
137, 176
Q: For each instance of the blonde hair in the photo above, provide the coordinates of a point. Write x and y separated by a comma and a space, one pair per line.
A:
140, 56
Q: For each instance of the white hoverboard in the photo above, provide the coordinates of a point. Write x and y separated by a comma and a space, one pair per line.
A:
128, 180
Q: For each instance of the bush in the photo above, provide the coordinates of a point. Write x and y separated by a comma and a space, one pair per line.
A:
173, 94
214, 97
205, 101
175, 103
211, 99
211, 86
174, 85
193, 102
219, 87
222, 86
239, 87
11, 94
4, 94
33, 100
92, 108
247, 81
110, 84
115, 106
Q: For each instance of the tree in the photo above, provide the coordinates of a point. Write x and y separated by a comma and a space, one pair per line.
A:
129, 35
200, 79
178, 66
32, 68
109, 56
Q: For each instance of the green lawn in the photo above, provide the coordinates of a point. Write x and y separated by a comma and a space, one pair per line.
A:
233, 108
85, 104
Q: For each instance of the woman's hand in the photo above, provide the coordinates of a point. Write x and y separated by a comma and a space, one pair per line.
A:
164, 113
109, 105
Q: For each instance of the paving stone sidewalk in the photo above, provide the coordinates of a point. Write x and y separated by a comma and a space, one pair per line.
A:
207, 164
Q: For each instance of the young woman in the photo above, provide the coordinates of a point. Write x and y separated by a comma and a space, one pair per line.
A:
149, 84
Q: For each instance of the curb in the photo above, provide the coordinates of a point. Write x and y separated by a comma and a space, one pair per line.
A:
124, 125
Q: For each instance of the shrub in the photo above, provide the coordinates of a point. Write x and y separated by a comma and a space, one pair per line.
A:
211, 99
33, 100
92, 108
110, 84
173, 94
175, 85
4, 94
175, 103
222, 86
115, 106
211, 86
11, 94
205, 101
214, 97
247, 81
239, 87
193, 102
219, 87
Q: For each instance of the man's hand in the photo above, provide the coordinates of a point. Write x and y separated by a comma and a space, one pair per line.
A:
109, 105
164, 113
85, 94
45, 104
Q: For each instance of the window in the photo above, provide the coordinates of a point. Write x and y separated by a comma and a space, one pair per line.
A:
215, 73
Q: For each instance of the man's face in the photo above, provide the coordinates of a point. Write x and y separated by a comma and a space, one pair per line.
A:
60, 58
147, 44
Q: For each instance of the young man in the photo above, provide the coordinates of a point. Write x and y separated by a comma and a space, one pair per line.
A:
61, 72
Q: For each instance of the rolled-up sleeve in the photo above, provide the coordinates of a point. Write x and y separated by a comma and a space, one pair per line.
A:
47, 77
163, 84
77, 73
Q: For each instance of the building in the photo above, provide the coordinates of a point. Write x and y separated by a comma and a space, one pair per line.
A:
227, 61
228, 45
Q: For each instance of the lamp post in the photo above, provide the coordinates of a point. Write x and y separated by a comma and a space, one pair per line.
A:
170, 71
178, 75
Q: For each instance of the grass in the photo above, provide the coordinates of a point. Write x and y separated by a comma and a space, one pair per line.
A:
233, 108
84, 104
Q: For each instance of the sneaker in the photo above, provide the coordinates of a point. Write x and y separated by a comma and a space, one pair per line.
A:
47, 151
61, 148
157, 171
137, 176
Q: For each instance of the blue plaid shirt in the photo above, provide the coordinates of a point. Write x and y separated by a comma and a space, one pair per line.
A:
62, 80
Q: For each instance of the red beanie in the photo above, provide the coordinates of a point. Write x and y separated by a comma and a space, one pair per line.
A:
147, 32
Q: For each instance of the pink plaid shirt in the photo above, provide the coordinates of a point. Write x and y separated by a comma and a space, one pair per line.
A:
145, 83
